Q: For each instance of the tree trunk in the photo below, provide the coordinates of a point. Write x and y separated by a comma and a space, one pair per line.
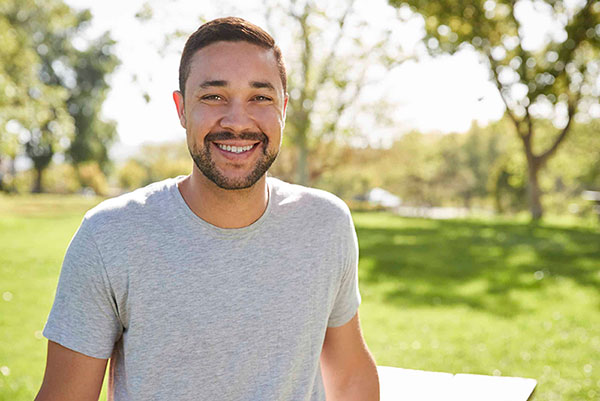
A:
13, 174
302, 168
37, 185
466, 198
533, 188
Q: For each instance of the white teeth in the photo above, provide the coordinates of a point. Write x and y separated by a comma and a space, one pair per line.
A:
235, 149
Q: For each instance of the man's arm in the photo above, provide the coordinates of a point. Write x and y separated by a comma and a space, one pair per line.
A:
348, 369
71, 376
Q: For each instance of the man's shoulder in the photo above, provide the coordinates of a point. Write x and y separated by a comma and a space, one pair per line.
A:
308, 200
142, 201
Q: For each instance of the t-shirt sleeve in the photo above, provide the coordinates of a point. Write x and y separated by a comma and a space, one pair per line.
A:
348, 298
84, 316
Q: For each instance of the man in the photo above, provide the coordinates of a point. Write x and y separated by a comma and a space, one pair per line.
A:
222, 285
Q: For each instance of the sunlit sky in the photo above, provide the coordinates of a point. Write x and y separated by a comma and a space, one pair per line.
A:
444, 94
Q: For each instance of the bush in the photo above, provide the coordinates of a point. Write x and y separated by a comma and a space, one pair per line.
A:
132, 175
91, 176
61, 178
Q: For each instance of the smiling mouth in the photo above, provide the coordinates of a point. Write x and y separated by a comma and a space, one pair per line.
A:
238, 145
235, 149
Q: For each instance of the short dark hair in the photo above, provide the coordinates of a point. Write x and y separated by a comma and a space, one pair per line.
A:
229, 29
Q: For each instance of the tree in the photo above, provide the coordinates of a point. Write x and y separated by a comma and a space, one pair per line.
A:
15, 69
56, 88
330, 65
482, 149
93, 135
82, 70
30, 106
553, 80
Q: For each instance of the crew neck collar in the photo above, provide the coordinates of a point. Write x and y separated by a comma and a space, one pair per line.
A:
198, 222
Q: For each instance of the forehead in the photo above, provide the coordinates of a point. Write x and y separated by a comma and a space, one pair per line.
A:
233, 62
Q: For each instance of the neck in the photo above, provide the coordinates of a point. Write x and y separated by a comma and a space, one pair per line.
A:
222, 207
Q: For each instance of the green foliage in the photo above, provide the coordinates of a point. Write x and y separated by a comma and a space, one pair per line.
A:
352, 176
155, 162
132, 174
507, 183
423, 170
64, 178
60, 179
553, 81
574, 170
579, 165
32, 101
21, 182
93, 136
54, 89
483, 168
413, 162
91, 176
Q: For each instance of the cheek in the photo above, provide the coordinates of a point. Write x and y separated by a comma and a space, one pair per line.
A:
268, 118
195, 130
200, 117
199, 124
191, 142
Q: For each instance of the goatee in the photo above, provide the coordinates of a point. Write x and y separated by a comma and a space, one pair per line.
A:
203, 160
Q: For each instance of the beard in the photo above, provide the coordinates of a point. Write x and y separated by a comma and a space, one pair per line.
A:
203, 160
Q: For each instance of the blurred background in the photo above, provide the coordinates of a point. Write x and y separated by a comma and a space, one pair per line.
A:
464, 135
482, 107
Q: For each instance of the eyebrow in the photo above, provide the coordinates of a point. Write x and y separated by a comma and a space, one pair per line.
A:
208, 84
223, 83
262, 85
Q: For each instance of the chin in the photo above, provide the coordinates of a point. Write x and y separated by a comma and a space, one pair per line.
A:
207, 166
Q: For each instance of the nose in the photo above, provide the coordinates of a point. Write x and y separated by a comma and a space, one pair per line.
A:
237, 118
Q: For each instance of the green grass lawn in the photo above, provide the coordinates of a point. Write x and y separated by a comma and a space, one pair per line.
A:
486, 297
34, 234
483, 297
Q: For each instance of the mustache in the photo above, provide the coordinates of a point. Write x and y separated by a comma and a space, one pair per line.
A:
225, 135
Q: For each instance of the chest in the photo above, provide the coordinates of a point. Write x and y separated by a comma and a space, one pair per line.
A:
211, 289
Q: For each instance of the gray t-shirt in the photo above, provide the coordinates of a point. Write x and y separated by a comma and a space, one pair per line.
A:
189, 311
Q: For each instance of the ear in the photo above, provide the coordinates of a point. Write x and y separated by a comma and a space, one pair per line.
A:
178, 99
285, 104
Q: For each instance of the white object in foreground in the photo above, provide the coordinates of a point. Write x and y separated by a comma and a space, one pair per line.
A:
398, 384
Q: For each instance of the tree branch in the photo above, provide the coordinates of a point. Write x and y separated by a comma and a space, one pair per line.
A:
529, 134
331, 54
269, 18
550, 151
511, 115
342, 105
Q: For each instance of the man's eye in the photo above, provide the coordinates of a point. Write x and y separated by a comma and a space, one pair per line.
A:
211, 97
262, 98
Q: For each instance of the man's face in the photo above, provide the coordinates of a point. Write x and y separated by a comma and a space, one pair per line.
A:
233, 112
